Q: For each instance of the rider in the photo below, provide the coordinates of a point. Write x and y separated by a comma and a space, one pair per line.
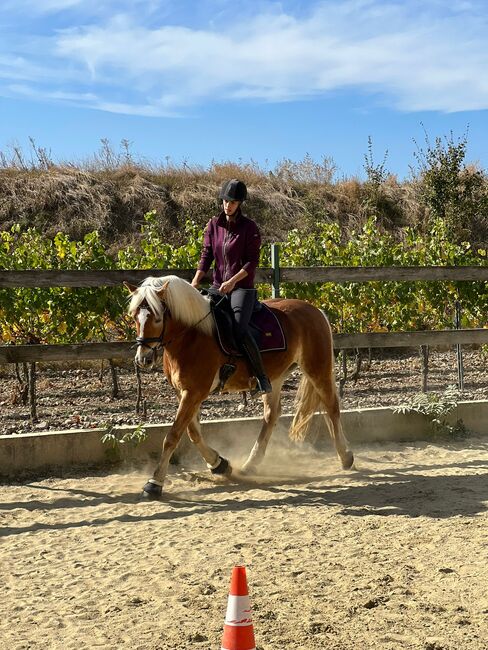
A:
233, 241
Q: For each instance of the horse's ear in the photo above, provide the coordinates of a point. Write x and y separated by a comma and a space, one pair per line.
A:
130, 287
163, 289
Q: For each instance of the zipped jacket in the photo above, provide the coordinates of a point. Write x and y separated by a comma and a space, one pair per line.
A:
233, 245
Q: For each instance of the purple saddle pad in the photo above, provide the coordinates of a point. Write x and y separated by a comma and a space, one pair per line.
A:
265, 328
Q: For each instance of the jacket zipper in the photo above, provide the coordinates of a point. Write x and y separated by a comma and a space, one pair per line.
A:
224, 254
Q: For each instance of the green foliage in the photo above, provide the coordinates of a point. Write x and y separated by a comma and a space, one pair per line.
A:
436, 407
452, 191
154, 252
61, 315
376, 173
72, 315
58, 314
114, 438
386, 306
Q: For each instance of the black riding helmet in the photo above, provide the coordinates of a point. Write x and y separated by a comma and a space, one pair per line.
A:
233, 190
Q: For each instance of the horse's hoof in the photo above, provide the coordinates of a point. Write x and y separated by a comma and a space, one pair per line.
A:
247, 469
348, 461
152, 491
224, 468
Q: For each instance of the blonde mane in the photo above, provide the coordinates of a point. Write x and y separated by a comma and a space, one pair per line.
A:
186, 304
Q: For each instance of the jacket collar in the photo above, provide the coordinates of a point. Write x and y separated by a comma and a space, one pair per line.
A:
222, 219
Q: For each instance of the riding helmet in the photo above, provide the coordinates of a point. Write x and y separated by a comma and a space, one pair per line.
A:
233, 190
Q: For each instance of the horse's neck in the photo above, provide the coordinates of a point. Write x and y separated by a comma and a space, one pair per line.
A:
175, 329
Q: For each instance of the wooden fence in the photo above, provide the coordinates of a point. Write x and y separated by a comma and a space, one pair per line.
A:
274, 276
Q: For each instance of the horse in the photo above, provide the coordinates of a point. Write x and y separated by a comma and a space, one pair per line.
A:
174, 319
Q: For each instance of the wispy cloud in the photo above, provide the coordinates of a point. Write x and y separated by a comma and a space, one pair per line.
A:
413, 56
30, 8
38, 8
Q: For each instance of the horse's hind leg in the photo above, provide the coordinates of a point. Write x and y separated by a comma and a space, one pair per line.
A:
215, 463
272, 411
334, 424
326, 391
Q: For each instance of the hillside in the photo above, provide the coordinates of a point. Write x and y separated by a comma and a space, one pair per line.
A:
112, 198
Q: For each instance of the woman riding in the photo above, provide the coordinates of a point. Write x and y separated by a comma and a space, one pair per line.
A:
233, 241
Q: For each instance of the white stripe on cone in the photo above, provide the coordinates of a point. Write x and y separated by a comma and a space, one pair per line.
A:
238, 611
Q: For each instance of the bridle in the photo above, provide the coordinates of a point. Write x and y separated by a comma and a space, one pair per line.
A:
143, 341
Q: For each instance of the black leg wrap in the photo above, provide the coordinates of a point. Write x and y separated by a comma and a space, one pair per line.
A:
152, 491
222, 467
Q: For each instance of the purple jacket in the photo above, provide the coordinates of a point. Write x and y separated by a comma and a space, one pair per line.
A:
233, 246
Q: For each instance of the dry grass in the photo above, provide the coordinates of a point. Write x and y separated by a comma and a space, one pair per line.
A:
112, 192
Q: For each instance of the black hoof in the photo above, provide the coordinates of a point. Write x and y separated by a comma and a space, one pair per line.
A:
222, 468
152, 491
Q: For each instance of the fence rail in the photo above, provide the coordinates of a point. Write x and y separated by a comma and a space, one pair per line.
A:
90, 278
124, 350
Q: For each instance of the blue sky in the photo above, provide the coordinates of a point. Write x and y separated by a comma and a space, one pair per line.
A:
244, 80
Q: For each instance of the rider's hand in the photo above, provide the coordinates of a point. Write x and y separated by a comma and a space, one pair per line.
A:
227, 286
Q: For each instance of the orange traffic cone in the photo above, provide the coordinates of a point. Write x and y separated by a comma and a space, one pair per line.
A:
238, 629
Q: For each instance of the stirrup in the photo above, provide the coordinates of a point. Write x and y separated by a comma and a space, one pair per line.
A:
263, 386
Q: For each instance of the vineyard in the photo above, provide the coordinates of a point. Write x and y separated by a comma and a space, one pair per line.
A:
71, 315
62, 315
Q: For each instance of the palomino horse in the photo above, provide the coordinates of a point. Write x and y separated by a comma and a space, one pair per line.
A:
174, 317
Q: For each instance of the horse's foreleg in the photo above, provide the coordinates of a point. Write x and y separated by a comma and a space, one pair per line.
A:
215, 463
272, 411
187, 409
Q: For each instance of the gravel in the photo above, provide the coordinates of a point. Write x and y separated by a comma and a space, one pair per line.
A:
79, 396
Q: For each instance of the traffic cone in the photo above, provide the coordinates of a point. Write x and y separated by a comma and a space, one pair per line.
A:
238, 629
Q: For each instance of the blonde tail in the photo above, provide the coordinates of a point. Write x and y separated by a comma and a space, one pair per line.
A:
308, 402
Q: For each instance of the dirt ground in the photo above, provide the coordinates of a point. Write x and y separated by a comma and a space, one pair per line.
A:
391, 556
80, 397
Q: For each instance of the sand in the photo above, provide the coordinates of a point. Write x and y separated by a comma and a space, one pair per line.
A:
393, 555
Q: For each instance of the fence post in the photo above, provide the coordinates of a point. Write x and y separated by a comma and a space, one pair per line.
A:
275, 265
459, 350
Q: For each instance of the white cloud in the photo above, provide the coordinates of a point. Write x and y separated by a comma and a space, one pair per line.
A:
414, 55
28, 91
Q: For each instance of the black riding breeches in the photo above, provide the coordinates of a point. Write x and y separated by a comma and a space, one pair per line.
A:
242, 303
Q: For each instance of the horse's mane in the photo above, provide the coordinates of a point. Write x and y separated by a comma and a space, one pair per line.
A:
186, 304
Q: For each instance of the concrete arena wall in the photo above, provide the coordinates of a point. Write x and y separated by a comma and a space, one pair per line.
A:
55, 450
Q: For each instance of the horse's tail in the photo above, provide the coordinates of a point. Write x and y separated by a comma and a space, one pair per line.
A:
308, 402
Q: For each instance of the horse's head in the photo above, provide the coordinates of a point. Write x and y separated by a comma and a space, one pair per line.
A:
148, 308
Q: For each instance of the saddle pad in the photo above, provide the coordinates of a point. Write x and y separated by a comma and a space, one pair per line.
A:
264, 326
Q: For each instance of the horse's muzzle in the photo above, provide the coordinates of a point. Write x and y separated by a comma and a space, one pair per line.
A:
146, 357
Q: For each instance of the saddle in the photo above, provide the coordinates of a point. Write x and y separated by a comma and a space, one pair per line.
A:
264, 327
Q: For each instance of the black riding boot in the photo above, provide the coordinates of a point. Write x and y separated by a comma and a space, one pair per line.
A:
253, 355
